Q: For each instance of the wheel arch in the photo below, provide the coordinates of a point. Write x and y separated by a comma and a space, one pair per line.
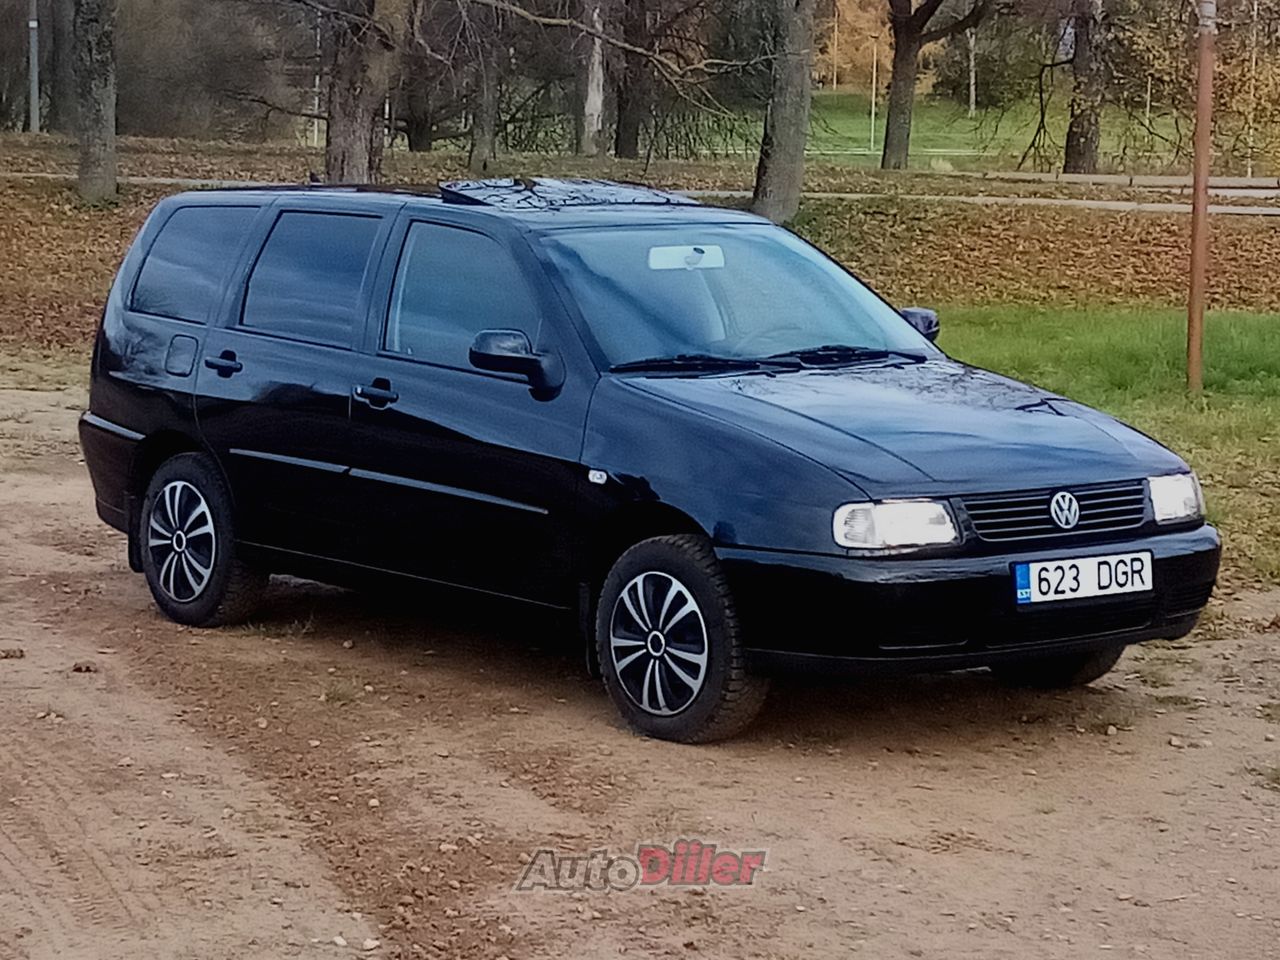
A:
611, 538
155, 449
152, 451
627, 526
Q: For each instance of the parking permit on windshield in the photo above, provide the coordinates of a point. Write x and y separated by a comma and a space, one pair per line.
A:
698, 257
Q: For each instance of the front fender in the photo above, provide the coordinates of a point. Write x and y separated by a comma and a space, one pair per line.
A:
742, 488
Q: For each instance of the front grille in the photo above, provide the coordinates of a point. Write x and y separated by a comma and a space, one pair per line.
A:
1104, 508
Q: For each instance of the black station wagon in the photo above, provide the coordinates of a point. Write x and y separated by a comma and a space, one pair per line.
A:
689, 427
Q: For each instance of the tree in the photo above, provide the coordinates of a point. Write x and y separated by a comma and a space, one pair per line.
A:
430, 92
62, 86
633, 89
911, 31
1008, 52
1088, 87
592, 141
361, 47
95, 73
229, 70
485, 91
780, 171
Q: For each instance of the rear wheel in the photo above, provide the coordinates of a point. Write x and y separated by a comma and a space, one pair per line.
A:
188, 546
669, 644
1067, 670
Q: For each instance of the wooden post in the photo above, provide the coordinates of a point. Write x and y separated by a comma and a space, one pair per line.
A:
1200, 198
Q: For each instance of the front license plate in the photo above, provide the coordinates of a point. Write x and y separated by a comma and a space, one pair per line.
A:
1083, 577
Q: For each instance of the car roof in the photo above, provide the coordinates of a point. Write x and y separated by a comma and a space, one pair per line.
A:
538, 204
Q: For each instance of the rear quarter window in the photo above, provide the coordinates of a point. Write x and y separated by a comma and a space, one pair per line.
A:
187, 265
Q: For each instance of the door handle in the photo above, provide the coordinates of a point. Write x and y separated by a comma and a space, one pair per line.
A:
225, 363
377, 394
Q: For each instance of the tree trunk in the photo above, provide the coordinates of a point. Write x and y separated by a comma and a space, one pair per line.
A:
780, 171
62, 86
415, 109
631, 111
418, 131
1088, 70
592, 143
484, 116
902, 96
94, 29
360, 62
633, 89
911, 33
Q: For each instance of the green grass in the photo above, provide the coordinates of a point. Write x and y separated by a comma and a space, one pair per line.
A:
1130, 362
944, 137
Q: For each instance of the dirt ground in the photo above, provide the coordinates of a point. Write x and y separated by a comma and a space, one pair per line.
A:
366, 776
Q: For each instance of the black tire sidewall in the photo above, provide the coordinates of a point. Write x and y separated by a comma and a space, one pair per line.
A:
707, 587
199, 471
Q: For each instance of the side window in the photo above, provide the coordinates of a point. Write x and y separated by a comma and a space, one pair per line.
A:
188, 263
307, 281
451, 284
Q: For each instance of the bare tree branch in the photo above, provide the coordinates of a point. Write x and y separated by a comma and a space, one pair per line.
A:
243, 97
977, 13
673, 70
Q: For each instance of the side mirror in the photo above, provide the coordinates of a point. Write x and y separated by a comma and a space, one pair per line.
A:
509, 351
925, 321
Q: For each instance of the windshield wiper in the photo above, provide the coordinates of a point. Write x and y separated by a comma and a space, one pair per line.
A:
836, 353
705, 362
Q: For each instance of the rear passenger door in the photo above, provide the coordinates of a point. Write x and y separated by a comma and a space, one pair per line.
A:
464, 477
274, 383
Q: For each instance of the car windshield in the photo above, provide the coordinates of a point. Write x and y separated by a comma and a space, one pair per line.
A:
743, 292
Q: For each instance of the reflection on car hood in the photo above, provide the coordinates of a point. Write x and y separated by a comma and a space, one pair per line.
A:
935, 427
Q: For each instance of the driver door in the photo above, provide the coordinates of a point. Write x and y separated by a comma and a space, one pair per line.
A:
464, 476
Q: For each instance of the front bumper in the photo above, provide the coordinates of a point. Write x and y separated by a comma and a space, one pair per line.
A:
949, 613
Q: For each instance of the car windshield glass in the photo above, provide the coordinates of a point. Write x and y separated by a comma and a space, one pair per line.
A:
731, 291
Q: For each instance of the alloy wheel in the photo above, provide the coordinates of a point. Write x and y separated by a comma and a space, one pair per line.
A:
658, 641
182, 541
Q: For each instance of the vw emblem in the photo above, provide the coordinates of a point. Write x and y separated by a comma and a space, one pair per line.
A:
1065, 510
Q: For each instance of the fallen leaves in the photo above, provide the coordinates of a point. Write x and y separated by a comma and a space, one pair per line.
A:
933, 252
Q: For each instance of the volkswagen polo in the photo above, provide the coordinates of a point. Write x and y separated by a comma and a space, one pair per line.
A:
688, 427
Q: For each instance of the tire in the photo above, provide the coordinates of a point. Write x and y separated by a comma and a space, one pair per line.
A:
186, 535
669, 644
1060, 672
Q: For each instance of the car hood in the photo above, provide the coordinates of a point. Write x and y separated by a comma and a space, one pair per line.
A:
925, 428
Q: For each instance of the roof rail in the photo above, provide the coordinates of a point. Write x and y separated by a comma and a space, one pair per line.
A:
524, 193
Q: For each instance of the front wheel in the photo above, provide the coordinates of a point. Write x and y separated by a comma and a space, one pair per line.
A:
188, 546
1059, 672
669, 644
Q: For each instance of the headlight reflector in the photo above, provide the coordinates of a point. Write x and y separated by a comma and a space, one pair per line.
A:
1175, 497
894, 523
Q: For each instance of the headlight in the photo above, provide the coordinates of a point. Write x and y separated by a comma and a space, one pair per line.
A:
1176, 497
896, 523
